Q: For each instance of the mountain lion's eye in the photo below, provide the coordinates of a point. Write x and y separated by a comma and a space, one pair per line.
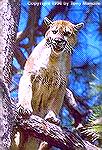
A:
55, 31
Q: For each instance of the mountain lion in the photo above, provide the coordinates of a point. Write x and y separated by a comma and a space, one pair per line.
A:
43, 85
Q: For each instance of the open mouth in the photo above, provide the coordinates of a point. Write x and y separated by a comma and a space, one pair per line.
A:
58, 44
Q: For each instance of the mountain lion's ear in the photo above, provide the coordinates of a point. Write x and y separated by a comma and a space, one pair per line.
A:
79, 26
47, 21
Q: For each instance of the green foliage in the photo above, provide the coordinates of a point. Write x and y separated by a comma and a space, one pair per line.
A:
97, 112
93, 129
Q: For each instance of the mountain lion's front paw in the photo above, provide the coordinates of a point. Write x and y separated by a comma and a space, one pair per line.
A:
51, 117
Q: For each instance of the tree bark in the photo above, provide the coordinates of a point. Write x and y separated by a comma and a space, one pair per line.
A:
5, 117
8, 28
10, 17
51, 133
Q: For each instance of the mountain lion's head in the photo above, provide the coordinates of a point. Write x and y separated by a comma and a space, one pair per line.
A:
61, 35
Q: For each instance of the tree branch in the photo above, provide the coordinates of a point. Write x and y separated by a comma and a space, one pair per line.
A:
49, 132
6, 116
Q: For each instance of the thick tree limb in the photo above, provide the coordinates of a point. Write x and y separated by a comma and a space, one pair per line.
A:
71, 103
51, 133
10, 19
6, 116
9, 16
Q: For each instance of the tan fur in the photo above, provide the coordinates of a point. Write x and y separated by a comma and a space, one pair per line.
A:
43, 84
